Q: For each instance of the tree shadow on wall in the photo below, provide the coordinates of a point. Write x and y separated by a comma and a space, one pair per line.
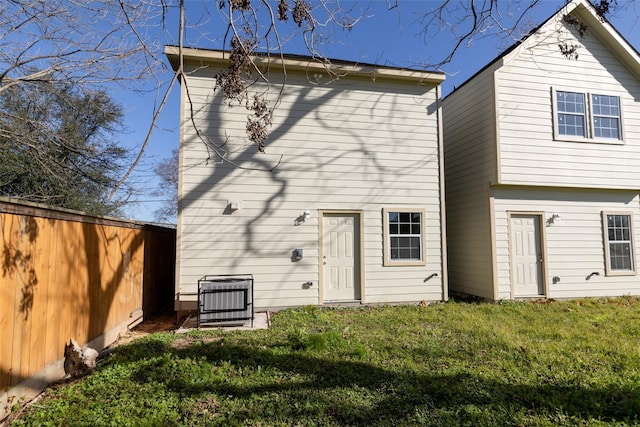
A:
293, 170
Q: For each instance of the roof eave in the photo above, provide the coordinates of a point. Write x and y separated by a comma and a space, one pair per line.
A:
307, 64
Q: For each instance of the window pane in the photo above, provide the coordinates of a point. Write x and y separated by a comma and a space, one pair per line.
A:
570, 102
395, 244
416, 250
619, 249
620, 254
405, 217
393, 216
604, 127
624, 220
574, 125
393, 228
408, 248
605, 105
571, 125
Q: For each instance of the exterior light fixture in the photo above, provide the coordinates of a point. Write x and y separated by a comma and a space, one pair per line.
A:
303, 217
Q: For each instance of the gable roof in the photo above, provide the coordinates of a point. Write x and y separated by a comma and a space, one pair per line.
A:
596, 24
607, 34
308, 64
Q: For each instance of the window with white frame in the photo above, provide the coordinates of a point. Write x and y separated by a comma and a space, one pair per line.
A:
404, 236
618, 234
587, 116
572, 119
606, 116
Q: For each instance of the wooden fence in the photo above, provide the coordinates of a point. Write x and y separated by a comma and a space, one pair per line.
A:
65, 275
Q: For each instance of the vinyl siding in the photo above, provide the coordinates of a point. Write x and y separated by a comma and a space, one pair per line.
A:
528, 151
352, 145
470, 165
535, 172
575, 244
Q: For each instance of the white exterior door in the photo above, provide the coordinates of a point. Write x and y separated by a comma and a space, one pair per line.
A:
526, 256
341, 256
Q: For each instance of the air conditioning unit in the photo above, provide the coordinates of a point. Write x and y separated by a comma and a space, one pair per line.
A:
225, 298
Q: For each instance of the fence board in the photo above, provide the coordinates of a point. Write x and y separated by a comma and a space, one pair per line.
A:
68, 276
13, 252
53, 316
40, 243
7, 305
65, 286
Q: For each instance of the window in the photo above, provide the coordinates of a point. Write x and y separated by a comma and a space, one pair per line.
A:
618, 234
571, 114
587, 116
404, 236
606, 116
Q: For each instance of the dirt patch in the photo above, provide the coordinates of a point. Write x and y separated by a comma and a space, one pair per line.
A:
181, 343
185, 342
204, 408
165, 322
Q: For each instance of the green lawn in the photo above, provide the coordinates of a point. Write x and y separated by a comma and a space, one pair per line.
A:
545, 364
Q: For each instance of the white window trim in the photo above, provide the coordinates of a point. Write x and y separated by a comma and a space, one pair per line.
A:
589, 119
605, 233
388, 262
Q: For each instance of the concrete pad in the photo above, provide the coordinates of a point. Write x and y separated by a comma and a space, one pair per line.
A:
261, 320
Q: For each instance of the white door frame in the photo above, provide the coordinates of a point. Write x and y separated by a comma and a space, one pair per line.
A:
540, 216
360, 243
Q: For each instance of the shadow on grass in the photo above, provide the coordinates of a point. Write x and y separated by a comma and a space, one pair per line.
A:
291, 387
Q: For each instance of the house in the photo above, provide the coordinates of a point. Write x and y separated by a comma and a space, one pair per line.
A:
542, 155
345, 204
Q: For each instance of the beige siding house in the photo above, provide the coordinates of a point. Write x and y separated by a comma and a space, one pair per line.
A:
542, 155
345, 205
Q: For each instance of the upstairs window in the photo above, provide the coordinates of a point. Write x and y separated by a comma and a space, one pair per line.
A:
586, 116
606, 116
571, 114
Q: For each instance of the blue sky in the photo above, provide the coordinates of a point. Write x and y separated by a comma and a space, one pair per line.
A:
389, 37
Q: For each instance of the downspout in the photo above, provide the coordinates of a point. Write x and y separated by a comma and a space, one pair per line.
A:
443, 212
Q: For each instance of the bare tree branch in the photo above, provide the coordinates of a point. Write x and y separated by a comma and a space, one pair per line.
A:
101, 44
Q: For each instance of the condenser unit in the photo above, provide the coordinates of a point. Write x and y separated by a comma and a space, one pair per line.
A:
225, 298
